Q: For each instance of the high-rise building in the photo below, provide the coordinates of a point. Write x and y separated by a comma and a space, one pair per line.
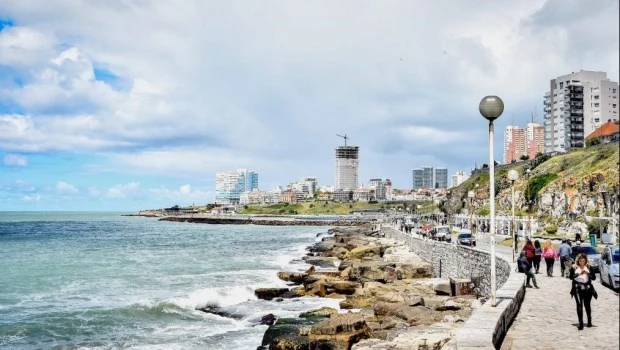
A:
576, 105
514, 143
381, 188
424, 178
418, 182
441, 178
458, 178
427, 177
347, 167
230, 184
535, 138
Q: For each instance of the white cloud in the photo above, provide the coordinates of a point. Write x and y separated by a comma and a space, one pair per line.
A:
15, 160
122, 190
31, 198
213, 85
66, 188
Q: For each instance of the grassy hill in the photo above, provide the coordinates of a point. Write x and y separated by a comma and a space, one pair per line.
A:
326, 207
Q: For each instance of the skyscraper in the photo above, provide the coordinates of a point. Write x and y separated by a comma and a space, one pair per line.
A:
515, 144
230, 184
535, 136
347, 168
417, 181
575, 105
423, 178
441, 178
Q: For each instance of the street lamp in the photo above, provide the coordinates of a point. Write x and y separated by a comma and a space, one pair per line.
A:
602, 189
491, 107
528, 203
471, 195
513, 175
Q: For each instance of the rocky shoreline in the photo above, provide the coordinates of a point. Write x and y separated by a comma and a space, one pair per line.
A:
389, 299
261, 221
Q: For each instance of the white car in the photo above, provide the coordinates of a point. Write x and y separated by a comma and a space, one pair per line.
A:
609, 267
441, 233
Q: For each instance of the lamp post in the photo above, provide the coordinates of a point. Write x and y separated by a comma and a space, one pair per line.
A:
602, 189
471, 195
528, 203
513, 175
491, 107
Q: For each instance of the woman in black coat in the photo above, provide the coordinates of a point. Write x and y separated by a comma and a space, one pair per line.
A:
582, 289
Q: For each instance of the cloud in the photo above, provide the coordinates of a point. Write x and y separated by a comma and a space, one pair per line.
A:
122, 190
15, 160
185, 89
66, 188
31, 198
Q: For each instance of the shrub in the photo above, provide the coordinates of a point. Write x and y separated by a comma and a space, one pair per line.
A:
281, 211
537, 183
594, 226
551, 229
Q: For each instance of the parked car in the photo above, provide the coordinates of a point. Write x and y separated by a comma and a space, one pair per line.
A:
609, 267
466, 238
441, 233
594, 257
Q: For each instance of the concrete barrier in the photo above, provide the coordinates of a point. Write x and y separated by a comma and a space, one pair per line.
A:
487, 326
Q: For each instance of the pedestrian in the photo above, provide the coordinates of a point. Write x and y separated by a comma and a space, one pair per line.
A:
525, 265
529, 250
564, 252
549, 254
537, 255
582, 289
577, 237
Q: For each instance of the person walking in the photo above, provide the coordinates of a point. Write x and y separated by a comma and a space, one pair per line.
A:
525, 265
549, 254
537, 255
529, 250
582, 289
564, 253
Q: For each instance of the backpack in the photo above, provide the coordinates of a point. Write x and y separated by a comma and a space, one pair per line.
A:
538, 252
529, 253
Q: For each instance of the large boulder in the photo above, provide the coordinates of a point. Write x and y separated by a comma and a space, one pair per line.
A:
322, 261
342, 287
341, 331
364, 252
295, 277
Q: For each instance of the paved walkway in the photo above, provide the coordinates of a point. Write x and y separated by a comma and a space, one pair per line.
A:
548, 317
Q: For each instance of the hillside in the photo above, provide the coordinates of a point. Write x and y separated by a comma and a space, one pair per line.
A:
562, 189
325, 207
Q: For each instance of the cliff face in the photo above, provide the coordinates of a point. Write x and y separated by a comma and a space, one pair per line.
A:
566, 189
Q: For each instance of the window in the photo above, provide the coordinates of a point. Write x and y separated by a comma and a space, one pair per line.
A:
596, 120
596, 97
613, 91
613, 106
596, 104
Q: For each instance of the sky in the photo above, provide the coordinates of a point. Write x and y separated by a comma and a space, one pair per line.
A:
124, 105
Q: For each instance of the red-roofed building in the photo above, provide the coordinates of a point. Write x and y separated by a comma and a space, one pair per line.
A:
608, 132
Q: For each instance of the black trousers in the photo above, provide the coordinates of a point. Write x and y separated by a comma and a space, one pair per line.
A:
536, 263
550, 262
563, 260
583, 299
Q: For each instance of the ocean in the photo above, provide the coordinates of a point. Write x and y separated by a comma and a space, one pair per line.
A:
105, 281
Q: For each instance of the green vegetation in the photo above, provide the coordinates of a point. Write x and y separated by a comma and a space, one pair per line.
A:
537, 183
594, 226
551, 229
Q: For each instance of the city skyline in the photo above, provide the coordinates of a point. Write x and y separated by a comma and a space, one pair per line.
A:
126, 106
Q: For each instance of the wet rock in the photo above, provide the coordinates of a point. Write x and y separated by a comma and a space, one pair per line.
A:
294, 277
270, 293
321, 312
326, 262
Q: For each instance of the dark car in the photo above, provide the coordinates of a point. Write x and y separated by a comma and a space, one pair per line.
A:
594, 257
466, 238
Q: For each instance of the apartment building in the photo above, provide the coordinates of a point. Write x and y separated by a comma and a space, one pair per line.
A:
229, 185
576, 105
514, 143
458, 178
441, 178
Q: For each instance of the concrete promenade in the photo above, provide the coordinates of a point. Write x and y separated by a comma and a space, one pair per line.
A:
548, 319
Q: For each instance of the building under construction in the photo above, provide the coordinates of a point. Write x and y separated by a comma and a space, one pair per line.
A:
347, 167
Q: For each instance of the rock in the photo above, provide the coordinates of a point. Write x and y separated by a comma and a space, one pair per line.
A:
326, 245
290, 342
216, 310
415, 301
448, 305
322, 261
287, 327
365, 251
356, 302
268, 319
341, 330
294, 277
343, 287
441, 286
374, 271
321, 312
269, 293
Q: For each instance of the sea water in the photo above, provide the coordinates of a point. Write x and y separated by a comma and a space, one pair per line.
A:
106, 281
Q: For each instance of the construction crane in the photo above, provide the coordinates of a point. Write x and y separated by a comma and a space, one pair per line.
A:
345, 139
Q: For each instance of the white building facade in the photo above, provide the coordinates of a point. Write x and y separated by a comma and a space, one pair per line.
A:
458, 178
576, 105
347, 168
229, 185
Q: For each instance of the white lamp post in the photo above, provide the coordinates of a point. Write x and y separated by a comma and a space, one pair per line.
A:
513, 175
471, 195
491, 107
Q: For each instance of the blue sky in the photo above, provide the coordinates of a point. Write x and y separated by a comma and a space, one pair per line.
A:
129, 105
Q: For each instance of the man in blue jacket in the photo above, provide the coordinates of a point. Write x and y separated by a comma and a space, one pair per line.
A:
564, 252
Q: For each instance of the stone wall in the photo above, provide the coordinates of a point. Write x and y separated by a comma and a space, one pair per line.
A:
488, 325
451, 260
